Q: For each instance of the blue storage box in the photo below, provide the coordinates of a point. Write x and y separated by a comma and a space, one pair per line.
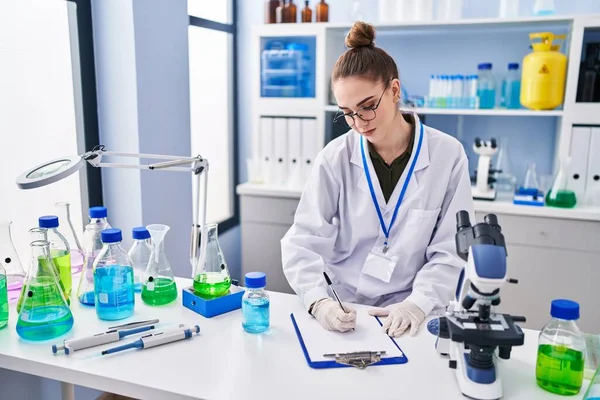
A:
210, 308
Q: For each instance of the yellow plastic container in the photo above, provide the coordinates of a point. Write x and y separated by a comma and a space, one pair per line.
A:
544, 73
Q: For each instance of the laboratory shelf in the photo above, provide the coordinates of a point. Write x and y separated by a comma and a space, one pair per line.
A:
458, 111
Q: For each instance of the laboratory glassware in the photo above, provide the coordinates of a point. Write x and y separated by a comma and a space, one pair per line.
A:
255, 303
511, 88
531, 179
543, 8
306, 12
3, 298
64, 215
509, 9
159, 285
486, 86
92, 244
593, 390
506, 181
211, 278
561, 350
43, 312
114, 295
560, 195
270, 11
60, 250
15, 274
291, 12
281, 13
322, 11
139, 252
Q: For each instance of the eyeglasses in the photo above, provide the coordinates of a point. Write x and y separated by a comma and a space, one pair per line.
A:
365, 113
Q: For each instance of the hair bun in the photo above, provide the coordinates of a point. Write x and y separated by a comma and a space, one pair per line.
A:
361, 35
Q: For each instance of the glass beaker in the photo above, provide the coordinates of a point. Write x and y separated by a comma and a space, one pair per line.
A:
560, 195
158, 283
211, 278
15, 275
68, 231
44, 313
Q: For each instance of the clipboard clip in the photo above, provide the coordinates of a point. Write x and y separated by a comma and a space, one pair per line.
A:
358, 359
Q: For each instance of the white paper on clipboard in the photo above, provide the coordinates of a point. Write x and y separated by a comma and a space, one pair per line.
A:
367, 336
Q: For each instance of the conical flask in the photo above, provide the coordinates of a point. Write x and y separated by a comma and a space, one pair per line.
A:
560, 195
158, 283
211, 279
64, 215
15, 275
531, 179
44, 313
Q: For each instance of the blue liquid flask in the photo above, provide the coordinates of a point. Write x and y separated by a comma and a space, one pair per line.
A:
113, 279
255, 303
511, 88
486, 86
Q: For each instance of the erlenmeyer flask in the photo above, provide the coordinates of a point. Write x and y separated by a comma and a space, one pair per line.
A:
15, 275
211, 279
44, 313
560, 195
505, 179
68, 231
531, 180
158, 284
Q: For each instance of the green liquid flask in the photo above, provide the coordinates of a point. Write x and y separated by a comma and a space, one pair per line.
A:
60, 251
560, 195
561, 351
43, 310
158, 286
211, 278
3, 298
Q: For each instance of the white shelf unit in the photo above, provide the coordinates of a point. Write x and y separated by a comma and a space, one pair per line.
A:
330, 35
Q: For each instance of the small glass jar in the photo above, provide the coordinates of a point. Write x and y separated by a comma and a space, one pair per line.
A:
255, 303
561, 350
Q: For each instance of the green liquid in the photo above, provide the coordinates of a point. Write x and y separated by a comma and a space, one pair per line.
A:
61, 261
42, 291
211, 285
3, 302
559, 369
563, 199
164, 291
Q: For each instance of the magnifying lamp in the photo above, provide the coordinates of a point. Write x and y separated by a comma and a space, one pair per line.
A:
55, 170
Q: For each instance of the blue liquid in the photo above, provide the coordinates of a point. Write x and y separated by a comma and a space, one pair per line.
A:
255, 312
44, 323
512, 94
137, 287
114, 292
87, 299
487, 98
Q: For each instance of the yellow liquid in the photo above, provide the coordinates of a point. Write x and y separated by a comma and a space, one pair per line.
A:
62, 260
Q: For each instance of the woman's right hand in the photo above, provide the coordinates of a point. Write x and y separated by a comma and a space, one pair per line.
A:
331, 316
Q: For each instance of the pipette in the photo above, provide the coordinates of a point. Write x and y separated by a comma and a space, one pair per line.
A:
72, 345
156, 339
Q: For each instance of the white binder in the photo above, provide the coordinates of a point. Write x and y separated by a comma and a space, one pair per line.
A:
310, 144
280, 146
577, 174
295, 178
592, 188
266, 149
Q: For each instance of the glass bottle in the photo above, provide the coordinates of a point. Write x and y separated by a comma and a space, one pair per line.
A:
281, 12
322, 11
15, 274
511, 88
159, 285
560, 195
291, 12
139, 252
255, 303
306, 12
561, 350
92, 244
486, 86
271, 11
64, 215
114, 295
211, 278
3, 298
59, 250
43, 312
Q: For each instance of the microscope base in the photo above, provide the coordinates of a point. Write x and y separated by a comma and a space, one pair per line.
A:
475, 383
489, 194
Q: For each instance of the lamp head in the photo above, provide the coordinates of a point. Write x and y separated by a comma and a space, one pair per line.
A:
50, 172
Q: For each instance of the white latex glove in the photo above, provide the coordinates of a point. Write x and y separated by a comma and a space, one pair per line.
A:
331, 316
399, 317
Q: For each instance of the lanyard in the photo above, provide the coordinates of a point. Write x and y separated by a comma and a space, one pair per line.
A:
386, 231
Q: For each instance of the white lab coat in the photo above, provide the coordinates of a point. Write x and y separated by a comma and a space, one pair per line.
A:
336, 225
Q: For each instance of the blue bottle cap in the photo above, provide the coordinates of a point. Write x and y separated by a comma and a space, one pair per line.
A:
48, 221
111, 235
255, 280
98, 212
512, 66
564, 309
484, 66
140, 233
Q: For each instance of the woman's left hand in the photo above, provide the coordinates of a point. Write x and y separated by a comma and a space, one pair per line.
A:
399, 317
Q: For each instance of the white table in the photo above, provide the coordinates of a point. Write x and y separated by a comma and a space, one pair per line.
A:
225, 362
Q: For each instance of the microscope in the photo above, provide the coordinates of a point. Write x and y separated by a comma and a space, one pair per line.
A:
471, 331
483, 189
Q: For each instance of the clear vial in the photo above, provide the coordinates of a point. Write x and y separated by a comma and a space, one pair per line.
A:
255, 303
140, 255
561, 351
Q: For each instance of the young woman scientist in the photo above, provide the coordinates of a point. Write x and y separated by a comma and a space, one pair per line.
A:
379, 211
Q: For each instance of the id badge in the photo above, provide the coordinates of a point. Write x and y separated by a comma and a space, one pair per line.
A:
380, 263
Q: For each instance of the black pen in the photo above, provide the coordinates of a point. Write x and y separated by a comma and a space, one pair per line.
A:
333, 290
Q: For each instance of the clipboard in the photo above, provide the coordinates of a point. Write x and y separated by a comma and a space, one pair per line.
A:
363, 347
